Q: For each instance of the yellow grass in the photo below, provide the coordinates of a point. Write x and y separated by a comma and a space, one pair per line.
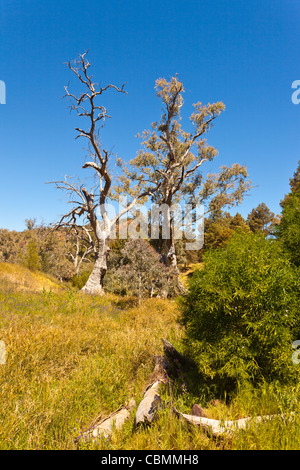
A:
16, 277
71, 358
188, 271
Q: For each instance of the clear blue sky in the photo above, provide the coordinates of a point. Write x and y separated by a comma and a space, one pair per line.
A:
242, 52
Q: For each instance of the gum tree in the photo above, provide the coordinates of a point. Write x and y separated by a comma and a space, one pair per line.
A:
90, 205
171, 158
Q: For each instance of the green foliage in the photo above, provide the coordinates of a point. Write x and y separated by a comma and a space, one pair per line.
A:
294, 186
32, 259
261, 219
30, 223
55, 249
241, 313
41, 248
289, 228
10, 244
137, 270
79, 280
171, 159
220, 227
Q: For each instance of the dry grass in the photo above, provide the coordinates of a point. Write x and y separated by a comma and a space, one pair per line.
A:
16, 277
186, 272
72, 357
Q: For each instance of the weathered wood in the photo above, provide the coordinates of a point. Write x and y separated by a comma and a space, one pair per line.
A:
150, 404
106, 426
171, 352
165, 366
217, 427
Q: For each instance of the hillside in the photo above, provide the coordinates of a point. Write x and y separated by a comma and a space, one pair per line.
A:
16, 277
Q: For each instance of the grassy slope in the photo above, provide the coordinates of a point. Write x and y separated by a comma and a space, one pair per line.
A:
16, 277
187, 272
72, 357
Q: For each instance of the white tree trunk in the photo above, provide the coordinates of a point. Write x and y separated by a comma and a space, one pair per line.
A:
170, 255
94, 284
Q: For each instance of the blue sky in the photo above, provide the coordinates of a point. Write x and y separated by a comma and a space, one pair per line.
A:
242, 52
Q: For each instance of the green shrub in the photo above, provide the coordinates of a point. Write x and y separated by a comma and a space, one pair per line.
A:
241, 313
289, 227
32, 259
79, 280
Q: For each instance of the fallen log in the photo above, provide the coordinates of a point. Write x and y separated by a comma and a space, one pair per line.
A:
105, 427
165, 366
150, 404
162, 369
172, 354
217, 427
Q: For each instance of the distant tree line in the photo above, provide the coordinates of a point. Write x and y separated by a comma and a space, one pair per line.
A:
134, 266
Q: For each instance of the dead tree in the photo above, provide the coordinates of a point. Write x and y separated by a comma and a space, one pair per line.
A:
89, 204
83, 245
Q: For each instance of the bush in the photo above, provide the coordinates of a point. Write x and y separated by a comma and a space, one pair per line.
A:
32, 259
137, 270
289, 227
79, 280
241, 313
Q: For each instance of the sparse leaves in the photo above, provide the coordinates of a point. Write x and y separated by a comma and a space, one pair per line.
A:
171, 157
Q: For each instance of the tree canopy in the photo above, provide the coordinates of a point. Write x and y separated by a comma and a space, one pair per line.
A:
171, 159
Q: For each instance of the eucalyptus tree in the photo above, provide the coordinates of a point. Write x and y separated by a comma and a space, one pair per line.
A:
90, 205
171, 159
